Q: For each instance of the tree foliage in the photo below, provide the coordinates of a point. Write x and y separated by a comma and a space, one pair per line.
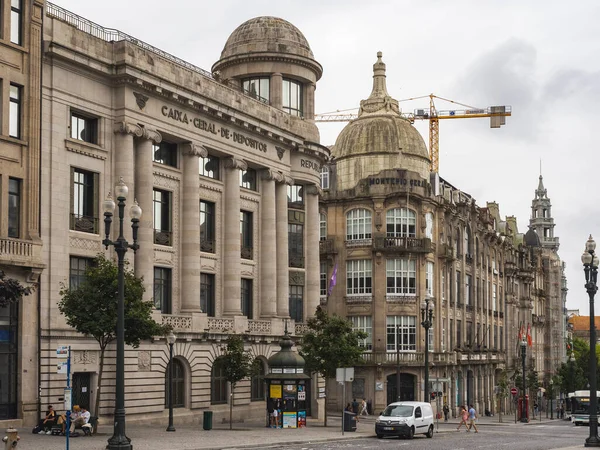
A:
11, 290
330, 343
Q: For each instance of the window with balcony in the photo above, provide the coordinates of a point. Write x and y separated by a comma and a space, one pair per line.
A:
248, 179
77, 267
246, 297
429, 279
295, 196
292, 97
165, 153
257, 88
429, 225
296, 303
162, 217
323, 280
359, 277
468, 282
207, 227
207, 294
401, 333
322, 227
84, 128
15, 114
324, 177
16, 22
209, 167
401, 222
358, 224
84, 201
14, 208
246, 235
401, 276
162, 289
364, 324
458, 288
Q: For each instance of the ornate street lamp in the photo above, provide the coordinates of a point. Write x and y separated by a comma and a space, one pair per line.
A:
171, 338
551, 399
590, 267
119, 441
523, 403
427, 323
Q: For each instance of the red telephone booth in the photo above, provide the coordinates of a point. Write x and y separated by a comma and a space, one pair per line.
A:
523, 412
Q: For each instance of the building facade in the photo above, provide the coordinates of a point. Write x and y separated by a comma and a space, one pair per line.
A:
20, 243
225, 166
396, 234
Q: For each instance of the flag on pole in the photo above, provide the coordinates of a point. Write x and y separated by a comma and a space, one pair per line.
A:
521, 332
332, 280
529, 341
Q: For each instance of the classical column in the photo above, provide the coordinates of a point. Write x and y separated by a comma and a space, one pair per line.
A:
190, 227
124, 167
268, 246
276, 89
313, 270
309, 107
232, 283
144, 187
283, 273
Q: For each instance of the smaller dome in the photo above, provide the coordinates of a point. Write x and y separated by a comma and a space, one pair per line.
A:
284, 359
532, 239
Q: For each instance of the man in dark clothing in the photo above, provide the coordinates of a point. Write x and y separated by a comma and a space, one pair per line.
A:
354, 406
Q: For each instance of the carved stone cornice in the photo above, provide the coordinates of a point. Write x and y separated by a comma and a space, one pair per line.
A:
270, 174
235, 163
286, 179
193, 149
313, 189
128, 128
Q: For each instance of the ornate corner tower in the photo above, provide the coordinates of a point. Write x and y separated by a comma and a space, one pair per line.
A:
541, 218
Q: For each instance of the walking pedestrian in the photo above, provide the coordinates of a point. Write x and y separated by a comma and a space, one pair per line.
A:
363, 407
464, 415
446, 411
472, 419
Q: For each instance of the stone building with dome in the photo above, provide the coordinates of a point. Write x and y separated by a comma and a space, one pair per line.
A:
225, 165
397, 234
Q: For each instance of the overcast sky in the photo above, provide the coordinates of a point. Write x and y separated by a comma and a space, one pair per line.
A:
540, 57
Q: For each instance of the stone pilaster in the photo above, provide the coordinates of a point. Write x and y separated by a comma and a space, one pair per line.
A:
144, 183
309, 107
232, 245
190, 223
313, 272
283, 275
268, 247
276, 90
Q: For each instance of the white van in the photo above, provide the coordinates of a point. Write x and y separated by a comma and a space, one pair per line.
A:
405, 419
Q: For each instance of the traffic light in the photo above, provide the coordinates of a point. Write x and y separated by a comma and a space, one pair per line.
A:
433, 396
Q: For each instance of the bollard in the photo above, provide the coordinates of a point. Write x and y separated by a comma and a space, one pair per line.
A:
11, 439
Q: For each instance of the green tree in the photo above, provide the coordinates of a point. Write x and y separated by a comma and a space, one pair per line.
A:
330, 343
91, 308
502, 391
237, 365
11, 290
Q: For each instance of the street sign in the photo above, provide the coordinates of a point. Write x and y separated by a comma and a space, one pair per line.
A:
343, 374
514, 391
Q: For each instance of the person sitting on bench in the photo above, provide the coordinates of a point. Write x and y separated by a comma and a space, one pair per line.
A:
82, 418
46, 423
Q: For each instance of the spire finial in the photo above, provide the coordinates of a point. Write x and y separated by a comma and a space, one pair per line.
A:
379, 100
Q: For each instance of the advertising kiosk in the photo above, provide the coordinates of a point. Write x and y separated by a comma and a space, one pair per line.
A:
286, 387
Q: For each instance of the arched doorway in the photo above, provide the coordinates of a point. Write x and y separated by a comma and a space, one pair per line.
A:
178, 383
407, 387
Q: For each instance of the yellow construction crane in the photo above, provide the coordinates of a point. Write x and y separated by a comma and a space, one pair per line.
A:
497, 115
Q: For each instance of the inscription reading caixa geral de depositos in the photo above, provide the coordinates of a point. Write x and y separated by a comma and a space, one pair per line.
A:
213, 128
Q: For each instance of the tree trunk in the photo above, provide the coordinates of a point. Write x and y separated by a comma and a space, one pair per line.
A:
232, 385
326, 397
98, 389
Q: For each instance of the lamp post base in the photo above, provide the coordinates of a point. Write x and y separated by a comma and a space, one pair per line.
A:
121, 443
592, 441
170, 428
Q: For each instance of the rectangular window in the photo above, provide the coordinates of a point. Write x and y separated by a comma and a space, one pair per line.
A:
292, 97
430, 339
207, 227
469, 333
14, 121
84, 128
458, 288
358, 224
77, 268
257, 88
165, 153
246, 297
429, 279
494, 306
363, 323
402, 332
459, 341
295, 196
296, 245
16, 22
162, 217
451, 287
443, 335
324, 177
477, 293
358, 277
207, 294
495, 346
14, 208
322, 227
209, 167
451, 334
468, 281
248, 179
501, 340
162, 289
443, 284
401, 276
246, 237
297, 303
323, 280
84, 201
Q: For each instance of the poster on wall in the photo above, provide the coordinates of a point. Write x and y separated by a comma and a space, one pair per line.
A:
289, 420
275, 391
301, 419
289, 391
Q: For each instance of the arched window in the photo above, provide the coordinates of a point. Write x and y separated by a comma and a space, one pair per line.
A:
322, 227
218, 383
468, 246
401, 222
429, 225
258, 381
178, 384
457, 243
477, 250
358, 224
